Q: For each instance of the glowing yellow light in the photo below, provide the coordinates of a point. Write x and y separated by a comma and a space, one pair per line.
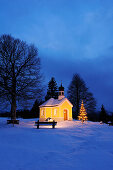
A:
82, 115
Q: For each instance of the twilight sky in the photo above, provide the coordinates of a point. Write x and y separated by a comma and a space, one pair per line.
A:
73, 36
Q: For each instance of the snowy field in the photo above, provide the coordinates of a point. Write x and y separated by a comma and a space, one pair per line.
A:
70, 146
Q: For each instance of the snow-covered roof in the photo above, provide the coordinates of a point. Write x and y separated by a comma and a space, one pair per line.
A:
54, 102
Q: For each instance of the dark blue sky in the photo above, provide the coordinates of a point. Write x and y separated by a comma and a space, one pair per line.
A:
73, 36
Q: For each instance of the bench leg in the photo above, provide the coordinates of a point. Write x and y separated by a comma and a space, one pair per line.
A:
37, 126
53, 125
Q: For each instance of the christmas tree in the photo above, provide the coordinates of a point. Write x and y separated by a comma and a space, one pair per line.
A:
82, 115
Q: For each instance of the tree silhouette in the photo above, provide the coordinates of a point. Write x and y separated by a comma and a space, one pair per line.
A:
35, 109
103, 115
20, 78
77, 91
52, 90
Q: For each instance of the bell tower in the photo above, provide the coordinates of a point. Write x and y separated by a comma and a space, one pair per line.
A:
61, 92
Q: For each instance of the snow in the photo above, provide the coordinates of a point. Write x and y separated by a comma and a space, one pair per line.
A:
70, 146
54, 102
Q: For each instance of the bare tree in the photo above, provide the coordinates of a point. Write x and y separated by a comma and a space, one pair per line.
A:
19, 71
77, 91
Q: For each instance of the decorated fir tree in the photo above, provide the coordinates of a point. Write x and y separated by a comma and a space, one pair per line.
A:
82, 115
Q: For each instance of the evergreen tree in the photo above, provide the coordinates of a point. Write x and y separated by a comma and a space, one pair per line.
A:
82, 115
35, 109
52, 90
111, 118
77, 91
103, 115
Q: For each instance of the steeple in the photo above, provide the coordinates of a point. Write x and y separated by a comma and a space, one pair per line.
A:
61, 92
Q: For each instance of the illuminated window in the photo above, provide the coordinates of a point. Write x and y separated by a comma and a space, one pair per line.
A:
55, 111
42, 113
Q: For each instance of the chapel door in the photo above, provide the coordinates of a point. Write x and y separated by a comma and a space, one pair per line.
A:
65, 115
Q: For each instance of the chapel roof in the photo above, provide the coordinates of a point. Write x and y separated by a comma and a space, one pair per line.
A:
54, 102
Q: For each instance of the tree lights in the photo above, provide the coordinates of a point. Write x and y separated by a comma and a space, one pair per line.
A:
82, 115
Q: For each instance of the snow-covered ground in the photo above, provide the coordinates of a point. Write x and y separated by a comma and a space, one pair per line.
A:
70, 146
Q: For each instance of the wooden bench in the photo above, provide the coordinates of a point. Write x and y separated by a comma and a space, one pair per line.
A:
53, 124
110, 124
12, 121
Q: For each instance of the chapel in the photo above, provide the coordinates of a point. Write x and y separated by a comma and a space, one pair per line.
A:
56, 109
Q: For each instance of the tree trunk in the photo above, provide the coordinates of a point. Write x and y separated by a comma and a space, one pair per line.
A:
13, 108
13, 104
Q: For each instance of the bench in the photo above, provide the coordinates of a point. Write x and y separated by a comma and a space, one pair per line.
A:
53, 124
110, 124
12, 121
